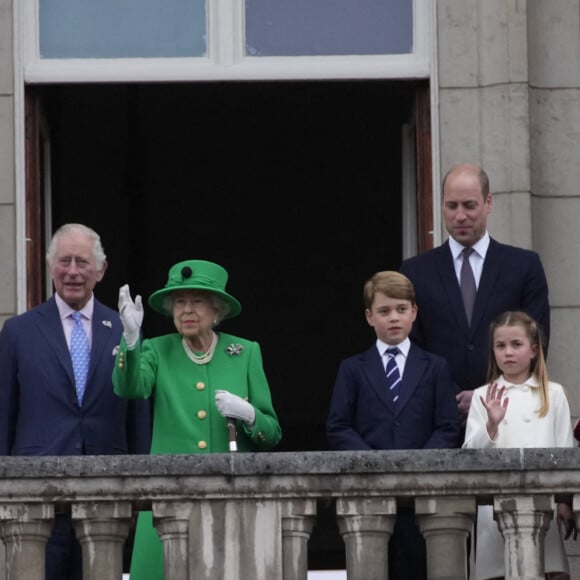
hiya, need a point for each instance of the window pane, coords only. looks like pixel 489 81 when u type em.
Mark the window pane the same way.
pixel 328 27
pixel 122 28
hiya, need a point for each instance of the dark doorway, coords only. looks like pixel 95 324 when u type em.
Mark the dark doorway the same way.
pixel 294 187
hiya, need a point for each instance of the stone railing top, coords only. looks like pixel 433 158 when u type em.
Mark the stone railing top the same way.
pixel 289 475
pixel 313 463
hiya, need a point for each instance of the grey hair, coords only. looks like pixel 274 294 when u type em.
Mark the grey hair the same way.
pixel 221 307
pixel 98 251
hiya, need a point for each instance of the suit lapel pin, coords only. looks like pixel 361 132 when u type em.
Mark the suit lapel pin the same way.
pixel 107 323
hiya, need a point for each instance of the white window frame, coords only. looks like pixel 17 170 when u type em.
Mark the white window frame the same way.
pixel 226 59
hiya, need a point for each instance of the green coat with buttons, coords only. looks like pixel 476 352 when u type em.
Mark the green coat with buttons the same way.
pixel 185 416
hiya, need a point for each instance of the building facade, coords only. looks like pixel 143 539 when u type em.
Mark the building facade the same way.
pixel 503 81
pixel 494 82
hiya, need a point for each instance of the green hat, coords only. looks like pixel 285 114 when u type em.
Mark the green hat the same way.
pixel 196 275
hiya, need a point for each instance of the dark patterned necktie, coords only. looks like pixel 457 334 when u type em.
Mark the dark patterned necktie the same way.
pixel 467 283
pixel 392 370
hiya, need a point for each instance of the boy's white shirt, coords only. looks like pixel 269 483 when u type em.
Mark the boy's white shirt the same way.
pixel 404 346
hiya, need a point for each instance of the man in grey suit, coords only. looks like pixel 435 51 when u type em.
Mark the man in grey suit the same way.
pixel 506 278
pixel 42 411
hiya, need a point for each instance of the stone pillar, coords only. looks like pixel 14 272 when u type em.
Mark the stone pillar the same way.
pixel 102 528
pixel 171 519
pixel 366 526
pixel 573 547
pixel 297 522
pixel 554 93
pixel 482 74
pixel 2 559
pixel 523 521
pixel 12 290
pixel 25 529
pixel 446 523
pixel 236 538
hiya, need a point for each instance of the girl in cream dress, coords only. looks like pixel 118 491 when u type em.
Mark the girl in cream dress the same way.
pixel 519 407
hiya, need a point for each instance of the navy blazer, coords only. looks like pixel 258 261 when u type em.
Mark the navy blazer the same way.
pixel 39 412
pixel 512 279
pixel 362 414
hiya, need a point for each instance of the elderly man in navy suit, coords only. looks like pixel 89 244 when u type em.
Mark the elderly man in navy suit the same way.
pixel 454 324
pixel 46 406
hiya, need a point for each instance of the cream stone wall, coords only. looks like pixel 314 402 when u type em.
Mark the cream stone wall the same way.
pixel 7 166
pixel 508 98
pixel 483 116
pixel 508 95
pixel 7 174
pixel 554 80
pixel 509 92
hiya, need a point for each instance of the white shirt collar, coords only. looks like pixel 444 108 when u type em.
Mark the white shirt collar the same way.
pixel 65 310
pixel 531 382
pixel 480 248
pixel 403 346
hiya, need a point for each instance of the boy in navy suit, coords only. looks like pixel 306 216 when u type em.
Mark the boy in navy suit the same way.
pixel 394 400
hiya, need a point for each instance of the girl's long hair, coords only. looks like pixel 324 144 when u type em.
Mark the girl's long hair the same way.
pixel 537 365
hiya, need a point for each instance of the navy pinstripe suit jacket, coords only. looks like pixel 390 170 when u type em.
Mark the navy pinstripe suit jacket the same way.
pixel 39 412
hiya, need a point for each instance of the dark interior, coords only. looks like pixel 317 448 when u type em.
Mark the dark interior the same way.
pixel 294 187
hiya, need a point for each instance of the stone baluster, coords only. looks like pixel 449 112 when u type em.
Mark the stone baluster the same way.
pixel 2 557
pixel 171 519
pixel 366 526
pixel 25 529
pixel 236 538
pixel 576 508
pixel 523 521
pixel 297 522
pixel 446 523
pixel 102 528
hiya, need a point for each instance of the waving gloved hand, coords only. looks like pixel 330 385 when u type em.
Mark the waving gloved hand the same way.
pixel 230 405
pixel 131 314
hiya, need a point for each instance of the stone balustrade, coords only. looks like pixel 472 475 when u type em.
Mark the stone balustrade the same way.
pixel 245 516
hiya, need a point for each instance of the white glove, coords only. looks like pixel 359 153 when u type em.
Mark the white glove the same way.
pixel 230 405
pixel 131 314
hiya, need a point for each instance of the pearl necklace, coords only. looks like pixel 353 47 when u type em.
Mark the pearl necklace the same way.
pixel 206 356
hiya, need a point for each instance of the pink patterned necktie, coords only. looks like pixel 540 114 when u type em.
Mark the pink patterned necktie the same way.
pixel 80 355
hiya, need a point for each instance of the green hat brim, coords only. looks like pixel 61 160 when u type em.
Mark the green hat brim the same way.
pixel 157 300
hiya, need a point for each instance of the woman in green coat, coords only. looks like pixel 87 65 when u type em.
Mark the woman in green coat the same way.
pixel 199 380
